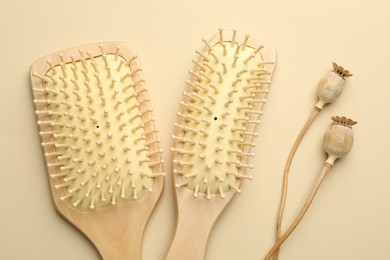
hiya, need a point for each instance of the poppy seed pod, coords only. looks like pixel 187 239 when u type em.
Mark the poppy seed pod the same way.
pixel 331 85
pixel 338 139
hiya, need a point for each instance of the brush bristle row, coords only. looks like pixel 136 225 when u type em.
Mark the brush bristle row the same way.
pixel 97 129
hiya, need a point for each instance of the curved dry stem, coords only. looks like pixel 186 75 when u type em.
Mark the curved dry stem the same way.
pixel 298 219
pixel 311 118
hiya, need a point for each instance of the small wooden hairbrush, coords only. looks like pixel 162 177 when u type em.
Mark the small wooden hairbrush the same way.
pixel 214 131
pixel 101 147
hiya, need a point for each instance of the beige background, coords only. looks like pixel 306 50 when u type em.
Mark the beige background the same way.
pixel 350 218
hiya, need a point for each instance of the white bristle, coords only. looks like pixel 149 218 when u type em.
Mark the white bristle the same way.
pixel 207 66
pixel 93 63
pixel 85 74
pixel 89 54
pixel 63 69
pixel 81 51
pixel 75 74
pixel 53 69
pixel 40 77
pixel 207 44
pixel 203 74
pixel 214 88
pixel 249 58
pixel 204 57
pixel 214 56
pixel 233 41
pixel 200 86
pixel 135 72
pixel 196 76
pixel 73 60
pixel 245 42
pixel 227 103
pixel 234 83
pixel 237 50
pixel 128 63
pixel 120 65
pixel 224 67
pixel 235 61
pixel 220 76
pixel 139 82
pixel 53 80
pixel 220 36
pixel 197 63
pixel 178 185
pixel 104 56
pixel 117 49
pixel 208 190
pixel 101 49
pixel 61 56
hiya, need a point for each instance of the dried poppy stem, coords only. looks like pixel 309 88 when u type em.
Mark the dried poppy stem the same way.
pixel 311 118
pixel 329 89
pixel 298 219
pixel 337 143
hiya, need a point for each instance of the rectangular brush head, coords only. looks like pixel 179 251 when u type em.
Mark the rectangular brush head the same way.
pixel 221 107
pixel 96 126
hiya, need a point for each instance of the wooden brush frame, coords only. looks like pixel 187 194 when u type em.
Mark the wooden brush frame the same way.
pixel 196 216
pixel 116 230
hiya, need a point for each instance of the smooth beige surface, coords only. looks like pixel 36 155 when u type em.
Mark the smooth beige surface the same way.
pixel 350 217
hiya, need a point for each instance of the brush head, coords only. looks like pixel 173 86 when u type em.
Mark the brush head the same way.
pixel 219 113
pixel 96 126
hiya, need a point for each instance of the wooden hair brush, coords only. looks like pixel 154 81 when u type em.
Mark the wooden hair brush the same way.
pixel 101 147
pixel 214 133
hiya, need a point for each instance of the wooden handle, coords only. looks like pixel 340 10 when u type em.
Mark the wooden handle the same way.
pixel 117 232
pixel 190 239
pixel 196 217
pixel 112 244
